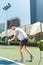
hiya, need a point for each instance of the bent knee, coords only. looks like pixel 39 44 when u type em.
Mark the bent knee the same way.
pixel 25 47
pixel 20 47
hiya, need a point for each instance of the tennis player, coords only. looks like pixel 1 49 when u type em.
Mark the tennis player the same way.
pixel 22 36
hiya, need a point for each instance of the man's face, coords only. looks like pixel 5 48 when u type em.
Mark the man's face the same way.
pixel 13 27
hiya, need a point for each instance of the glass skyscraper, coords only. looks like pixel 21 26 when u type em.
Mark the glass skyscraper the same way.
pixel 36 8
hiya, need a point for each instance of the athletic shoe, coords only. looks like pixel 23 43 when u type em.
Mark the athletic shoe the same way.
pixel 21 61
pixel 31 58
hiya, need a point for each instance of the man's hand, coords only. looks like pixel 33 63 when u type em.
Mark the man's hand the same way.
pixel 9 40
pixel 12 38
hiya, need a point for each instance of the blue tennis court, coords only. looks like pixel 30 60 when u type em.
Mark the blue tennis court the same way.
pixel 4 61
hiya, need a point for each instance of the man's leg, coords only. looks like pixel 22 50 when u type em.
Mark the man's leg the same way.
pixel 27 49
pixel 21 51
pixel 31 55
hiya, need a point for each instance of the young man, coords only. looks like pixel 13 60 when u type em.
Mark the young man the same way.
pixel 22 36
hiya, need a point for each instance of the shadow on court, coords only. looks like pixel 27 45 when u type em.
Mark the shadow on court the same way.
pixel 4 61
pixel 25 61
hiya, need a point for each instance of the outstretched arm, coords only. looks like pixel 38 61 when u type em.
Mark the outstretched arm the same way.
pixel 12 38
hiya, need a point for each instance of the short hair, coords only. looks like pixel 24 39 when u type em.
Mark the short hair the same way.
pixel 13 25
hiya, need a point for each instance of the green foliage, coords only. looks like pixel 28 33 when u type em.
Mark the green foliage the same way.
pixel 2 42
pixel 29 43
pixel 32 43
pixel 14 42
pixel 40 44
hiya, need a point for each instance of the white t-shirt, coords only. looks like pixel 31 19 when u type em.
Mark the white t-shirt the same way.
pixel 21 35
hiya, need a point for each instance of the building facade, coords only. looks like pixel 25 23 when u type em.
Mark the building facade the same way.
pixel 15 21
pixel 2 27
pixel 36 8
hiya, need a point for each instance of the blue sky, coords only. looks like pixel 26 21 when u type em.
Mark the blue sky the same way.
pixel 20 9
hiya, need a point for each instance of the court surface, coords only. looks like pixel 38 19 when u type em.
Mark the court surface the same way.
pixel 9 55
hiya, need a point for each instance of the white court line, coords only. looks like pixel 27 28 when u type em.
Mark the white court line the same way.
pixel 11 61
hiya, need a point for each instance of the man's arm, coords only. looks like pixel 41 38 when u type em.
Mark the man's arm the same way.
pixel 12 38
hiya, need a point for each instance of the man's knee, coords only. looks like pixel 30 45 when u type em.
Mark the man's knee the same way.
pixel 25 47
pixel 20 48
